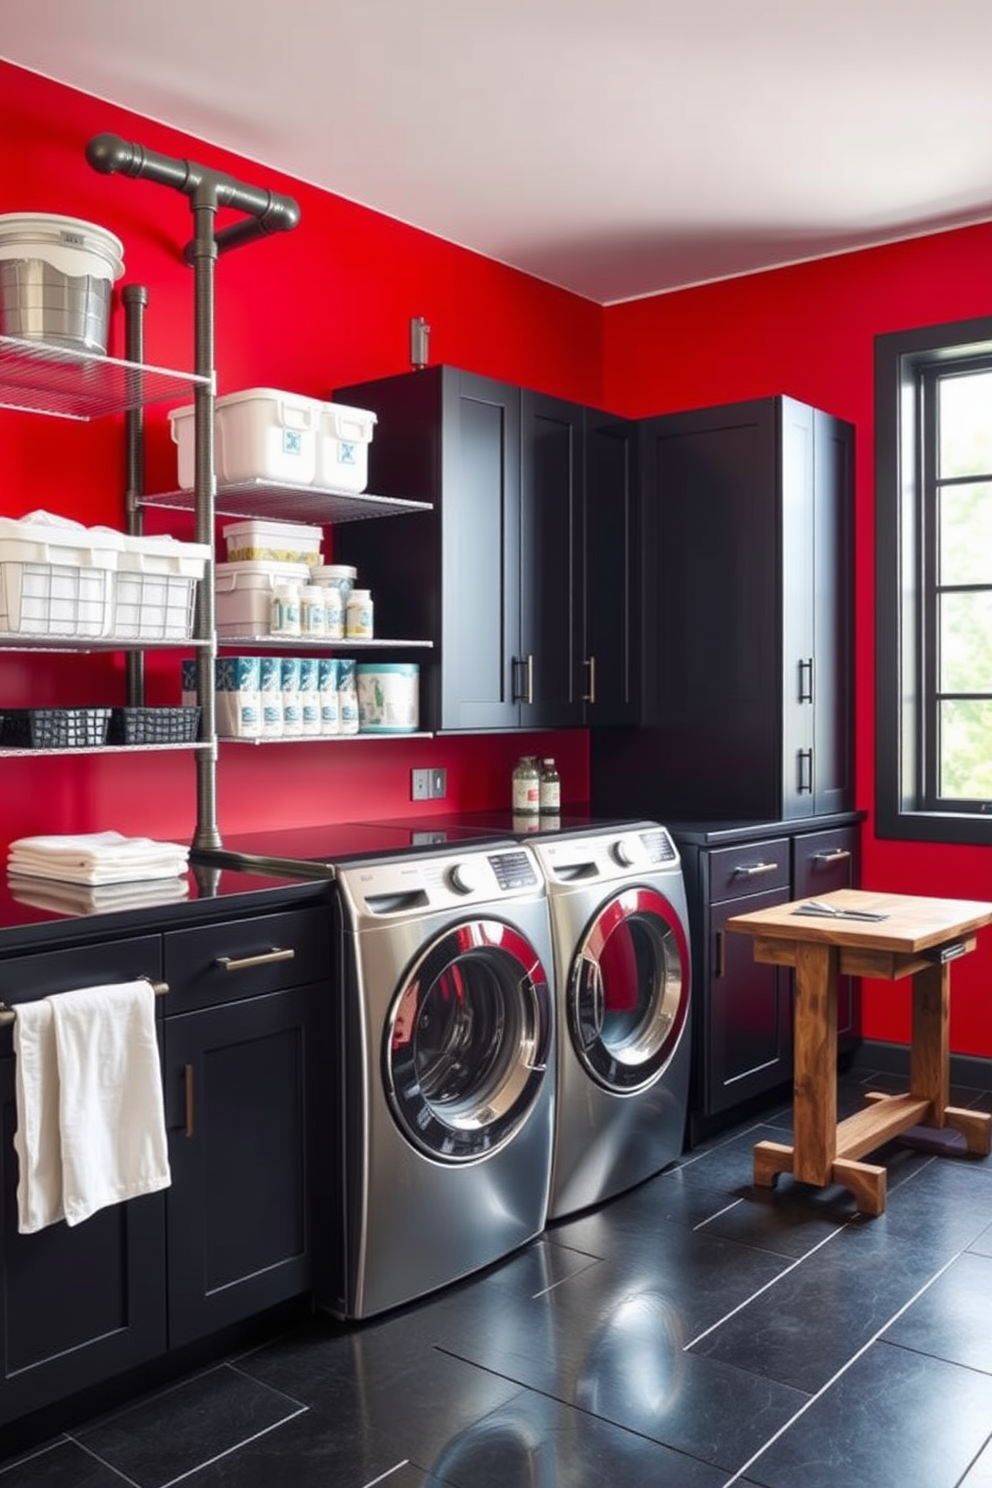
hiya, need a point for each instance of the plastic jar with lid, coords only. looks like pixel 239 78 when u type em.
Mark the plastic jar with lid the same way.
pixel 285 610
pixel 313 611
pixel 358 616
pixel 526 787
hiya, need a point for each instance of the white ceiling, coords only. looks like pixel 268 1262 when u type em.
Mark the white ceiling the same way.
pixel 616 149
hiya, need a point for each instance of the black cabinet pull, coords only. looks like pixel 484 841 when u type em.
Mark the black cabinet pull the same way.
pixel 805 785
pixel 189 1123
pixel 806 680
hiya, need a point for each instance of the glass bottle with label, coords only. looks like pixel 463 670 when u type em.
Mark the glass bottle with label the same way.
pixel 526 787
pixel 549 795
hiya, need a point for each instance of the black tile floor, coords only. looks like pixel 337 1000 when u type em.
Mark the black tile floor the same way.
pixel 694 1333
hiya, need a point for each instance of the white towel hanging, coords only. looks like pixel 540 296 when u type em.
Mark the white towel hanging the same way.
pixel 36 1096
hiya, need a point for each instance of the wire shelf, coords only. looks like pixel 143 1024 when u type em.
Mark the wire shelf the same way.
pixel 260 498
pixel 360 737
pixel 12 640
pixel 101 749
pixel 316 643
pixel 36 377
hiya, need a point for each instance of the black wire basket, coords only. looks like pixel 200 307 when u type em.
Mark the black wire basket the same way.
pixel 154 725
pixel 54 728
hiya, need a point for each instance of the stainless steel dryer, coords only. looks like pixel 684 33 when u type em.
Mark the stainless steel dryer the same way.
pixel 621 951
pixel 446 1068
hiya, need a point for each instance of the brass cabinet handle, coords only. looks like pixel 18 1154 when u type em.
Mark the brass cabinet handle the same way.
pixel 834 855
pixel 590 696
pixel 528 696
pixel 264 958
pixel 189 1125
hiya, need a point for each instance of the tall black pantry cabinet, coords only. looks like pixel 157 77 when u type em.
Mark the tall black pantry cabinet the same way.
pixel 746 586
pixel 521 575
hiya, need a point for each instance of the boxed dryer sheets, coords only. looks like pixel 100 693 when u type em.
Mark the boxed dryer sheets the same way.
pixel 56 576
pixel 260 434
pixel 155 587
pixel 343 441
pixel 273 542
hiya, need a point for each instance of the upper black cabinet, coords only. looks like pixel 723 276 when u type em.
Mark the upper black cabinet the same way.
pixel 496 575
pixel 747 634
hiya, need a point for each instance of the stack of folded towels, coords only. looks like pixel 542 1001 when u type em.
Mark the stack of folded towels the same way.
pixel 97 870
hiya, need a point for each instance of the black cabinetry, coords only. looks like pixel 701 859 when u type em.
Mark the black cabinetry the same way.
pixel 742 1009
pixel 746 607
pixel 230 1237
pixel 81 1304
pixel 527 541
pixel 239 1082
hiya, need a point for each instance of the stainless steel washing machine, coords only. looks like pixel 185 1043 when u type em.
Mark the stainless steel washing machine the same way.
pixel 446 1071
pixel 621 954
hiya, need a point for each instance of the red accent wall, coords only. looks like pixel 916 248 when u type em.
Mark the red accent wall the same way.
pixel 331 303
pixel 809 331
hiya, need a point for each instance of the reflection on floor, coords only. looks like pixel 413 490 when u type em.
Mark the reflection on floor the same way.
pixel 695 1333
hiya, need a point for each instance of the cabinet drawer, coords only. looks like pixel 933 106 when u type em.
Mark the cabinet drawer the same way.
pixel 749 868
pixel 245 958
pixel 44 973
pixel 823 861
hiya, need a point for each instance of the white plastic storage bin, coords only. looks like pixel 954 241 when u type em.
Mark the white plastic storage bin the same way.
pixel 388 697
pixel 243 594
pixel 155 588
pixel 56 577
pixel 343 447
pixel 259 434
pixel 273 542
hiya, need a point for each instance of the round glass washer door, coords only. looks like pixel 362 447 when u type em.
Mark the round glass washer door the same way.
pixel 467 1041
pixel 628 992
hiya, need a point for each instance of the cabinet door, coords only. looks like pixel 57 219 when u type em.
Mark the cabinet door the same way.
pixel 799 664
pixel 237 1092
pixel 610 581
pixel 551 480
pixel 833 619
pixel 480 578
pixel 821 863
pixel 81 1304
pixel 748 1015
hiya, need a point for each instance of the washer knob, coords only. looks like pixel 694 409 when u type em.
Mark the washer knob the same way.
pixel 465 877
pixel 630 852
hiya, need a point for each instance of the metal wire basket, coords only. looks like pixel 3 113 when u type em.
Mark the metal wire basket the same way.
pixel 154 725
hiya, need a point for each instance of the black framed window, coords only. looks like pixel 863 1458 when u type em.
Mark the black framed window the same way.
pixel 933 535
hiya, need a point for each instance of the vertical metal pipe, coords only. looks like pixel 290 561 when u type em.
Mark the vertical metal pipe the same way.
pixel 135 298
pixel 202 252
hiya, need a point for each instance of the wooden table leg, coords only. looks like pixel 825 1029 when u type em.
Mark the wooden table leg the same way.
pixel 814 1105
pixel 929 1057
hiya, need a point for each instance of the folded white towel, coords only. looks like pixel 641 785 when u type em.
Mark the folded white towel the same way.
pixel 36 1098
pixel 96 850
pixel 167 866
pixel 111 1112
pixel 80 899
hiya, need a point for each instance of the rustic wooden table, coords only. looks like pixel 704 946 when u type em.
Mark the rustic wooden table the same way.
pixel 900 936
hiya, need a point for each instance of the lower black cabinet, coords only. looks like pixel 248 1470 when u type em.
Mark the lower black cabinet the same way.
pixel 230 1237
pixel 742 1008
pixel 236 1109
pixel 78 1304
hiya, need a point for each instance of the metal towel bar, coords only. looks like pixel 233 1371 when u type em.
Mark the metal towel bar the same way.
pixel 9 1014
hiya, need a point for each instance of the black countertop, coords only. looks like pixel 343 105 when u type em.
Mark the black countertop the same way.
pixel 29 920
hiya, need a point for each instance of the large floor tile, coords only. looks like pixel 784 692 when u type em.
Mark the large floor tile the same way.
pixel 953 1318
pixel 60 1464
pixel 894 1419
pixel 617 1351
pixel 807 1325
pixel 540 1441
pixel 167 1436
